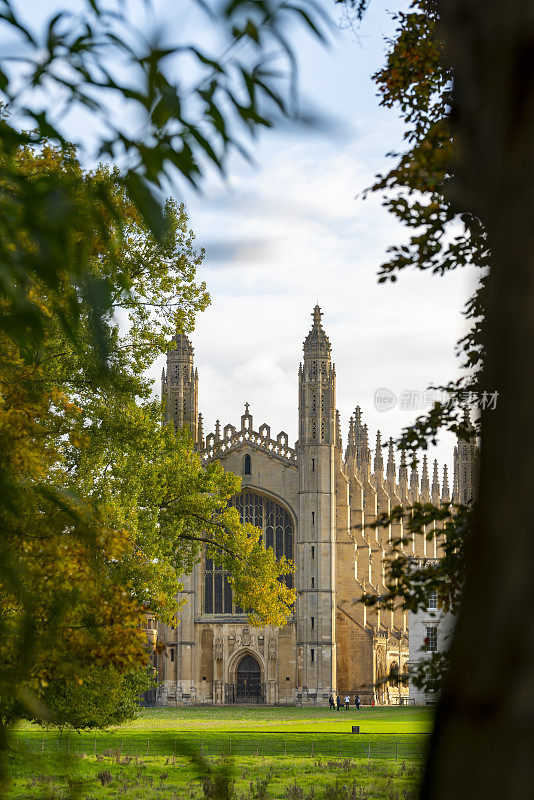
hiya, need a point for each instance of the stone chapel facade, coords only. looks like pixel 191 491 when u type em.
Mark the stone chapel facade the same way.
pixel 314 504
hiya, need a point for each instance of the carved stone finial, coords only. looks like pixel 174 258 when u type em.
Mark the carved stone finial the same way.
pixel 425 483
pixel 379 463
pixel 247 406
pixel 316 343
pixel 390 471
pixel 445 492
pixel 435 484
pixel 317 314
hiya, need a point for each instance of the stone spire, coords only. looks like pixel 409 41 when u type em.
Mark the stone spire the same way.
pixel 445 493
pixel 414 483
pixel 379 461
pixel 403 475
pixel 365 453
pixel 390 470
pixel 317 343
pixel 361 442
pixel 200 431
pixel 350 452
pixel 425 484
pixel 435 484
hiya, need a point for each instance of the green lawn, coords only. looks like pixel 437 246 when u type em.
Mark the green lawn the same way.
pixel 293 753
pixel 229 719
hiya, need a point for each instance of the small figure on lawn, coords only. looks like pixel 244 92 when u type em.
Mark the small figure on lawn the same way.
pixel 338 699
pixel 347 702
pixel 358 702
pixel 331 703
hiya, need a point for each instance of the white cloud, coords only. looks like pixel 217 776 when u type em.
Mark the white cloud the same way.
pixel 291 233
pixel 311 240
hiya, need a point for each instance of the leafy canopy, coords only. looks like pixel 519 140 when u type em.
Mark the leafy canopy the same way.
pixel 163 112
pixel 104 507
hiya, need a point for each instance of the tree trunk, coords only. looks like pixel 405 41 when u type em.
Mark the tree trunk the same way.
pixel 483 741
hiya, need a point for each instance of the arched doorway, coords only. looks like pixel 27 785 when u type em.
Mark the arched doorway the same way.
pixel 248 680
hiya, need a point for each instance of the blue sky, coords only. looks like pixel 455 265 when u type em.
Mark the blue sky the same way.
pixel 292 231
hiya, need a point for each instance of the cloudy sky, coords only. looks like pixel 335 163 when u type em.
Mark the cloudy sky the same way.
pixel 293 231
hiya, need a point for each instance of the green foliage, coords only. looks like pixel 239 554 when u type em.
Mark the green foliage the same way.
pixel 411 581
pixel 97 699
pixel 86 547
pixel 104 508
pixel 95 61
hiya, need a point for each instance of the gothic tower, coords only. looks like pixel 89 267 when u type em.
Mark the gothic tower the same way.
pixel 179 388
pixel 466 457
pixel 316 535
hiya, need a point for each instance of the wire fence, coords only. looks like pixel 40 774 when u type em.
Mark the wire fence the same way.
pixel 408 747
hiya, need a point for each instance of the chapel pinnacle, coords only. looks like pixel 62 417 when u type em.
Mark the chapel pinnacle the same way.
pixel 317 344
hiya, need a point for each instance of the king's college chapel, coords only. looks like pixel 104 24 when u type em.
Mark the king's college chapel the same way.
pixel 315 505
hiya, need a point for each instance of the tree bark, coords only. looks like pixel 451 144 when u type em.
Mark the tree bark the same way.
pixel 483 740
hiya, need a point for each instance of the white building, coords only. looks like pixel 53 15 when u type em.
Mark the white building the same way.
pixel 429 632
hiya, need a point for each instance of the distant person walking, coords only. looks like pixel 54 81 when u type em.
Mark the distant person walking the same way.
pixel 347 702
pixel 338 702
pixel 358 702
pixel 331 703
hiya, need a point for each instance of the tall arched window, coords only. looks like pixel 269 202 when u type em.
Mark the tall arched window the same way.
pixel 247 465
pixel 278 533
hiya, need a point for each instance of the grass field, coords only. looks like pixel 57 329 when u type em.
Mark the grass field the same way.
pixel 294 753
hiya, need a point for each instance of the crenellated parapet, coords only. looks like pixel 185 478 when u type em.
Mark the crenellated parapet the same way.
pixel 220 442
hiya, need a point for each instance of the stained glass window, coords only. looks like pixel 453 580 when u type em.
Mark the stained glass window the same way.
pixel 278 532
